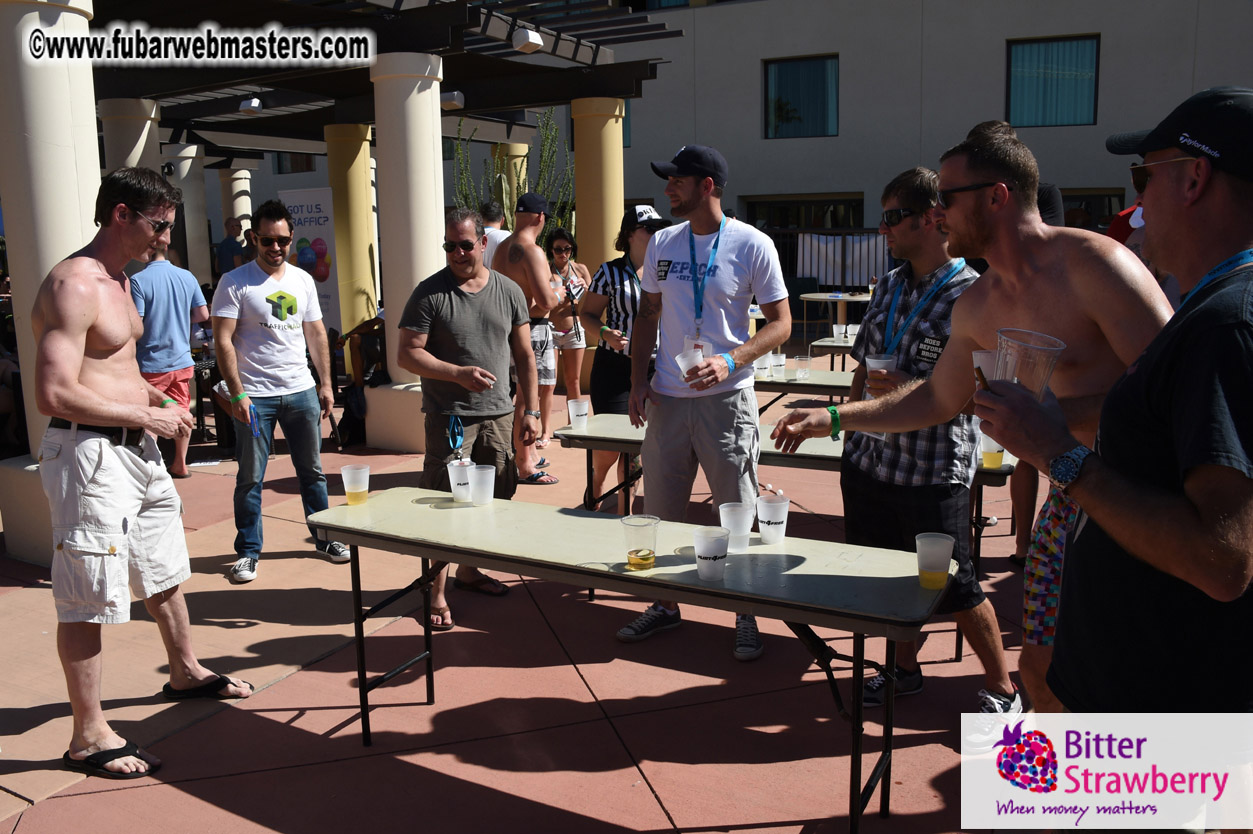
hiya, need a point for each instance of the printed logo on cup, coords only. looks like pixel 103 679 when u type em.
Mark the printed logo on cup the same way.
pixel 770 523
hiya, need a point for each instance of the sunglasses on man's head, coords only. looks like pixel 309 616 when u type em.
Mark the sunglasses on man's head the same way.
pixel 945 202
pixel 451 246
pixel 158 226
pixel 1140 174
pixel 893 217
pixel 266 242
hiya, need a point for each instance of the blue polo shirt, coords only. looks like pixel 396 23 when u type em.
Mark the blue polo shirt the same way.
pixel 165 295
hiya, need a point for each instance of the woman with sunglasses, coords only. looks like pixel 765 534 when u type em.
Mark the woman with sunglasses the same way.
pixel 615 294
pixel 569 280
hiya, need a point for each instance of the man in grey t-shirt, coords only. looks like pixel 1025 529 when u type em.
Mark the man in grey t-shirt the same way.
pixel 458 332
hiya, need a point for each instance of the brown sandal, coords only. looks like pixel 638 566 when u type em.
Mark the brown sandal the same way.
pixel 444 613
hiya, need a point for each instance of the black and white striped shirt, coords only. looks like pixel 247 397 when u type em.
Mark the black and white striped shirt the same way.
pixel 618 282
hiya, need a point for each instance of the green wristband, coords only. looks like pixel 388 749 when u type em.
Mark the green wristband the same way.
pixel 835 422
pixel 167 401
pixel 239 396
pixel 604 327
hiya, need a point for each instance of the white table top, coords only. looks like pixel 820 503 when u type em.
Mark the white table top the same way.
pixel 836 296
pixel 869 590
pixel 820 382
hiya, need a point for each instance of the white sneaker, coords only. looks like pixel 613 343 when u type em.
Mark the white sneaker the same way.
pixel 337 551
pixel 244 570
pixel 990 727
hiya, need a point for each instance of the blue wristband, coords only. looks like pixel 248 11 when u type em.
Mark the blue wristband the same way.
pixel 730 362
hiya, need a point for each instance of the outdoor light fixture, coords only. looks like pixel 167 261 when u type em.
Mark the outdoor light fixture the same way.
pixel 251 106
pixel 454 100
pixel 527 40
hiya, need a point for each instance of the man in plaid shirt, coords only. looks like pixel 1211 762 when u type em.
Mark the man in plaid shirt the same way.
pixel 901 484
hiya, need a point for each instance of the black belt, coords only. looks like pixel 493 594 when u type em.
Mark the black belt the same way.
pixel 119 435
pixel 540 320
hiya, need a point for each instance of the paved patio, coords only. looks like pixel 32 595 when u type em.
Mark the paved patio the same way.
pixel 542 720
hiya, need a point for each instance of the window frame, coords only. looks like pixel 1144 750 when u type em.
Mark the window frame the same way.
pixel 1010 43
pixel 766 63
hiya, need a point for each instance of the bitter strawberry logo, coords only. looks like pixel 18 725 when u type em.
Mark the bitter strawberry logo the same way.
pixel 1028 760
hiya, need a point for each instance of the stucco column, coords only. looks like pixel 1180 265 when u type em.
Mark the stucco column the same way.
pixel 188 162
pixel 236 190
pixel 348 163
pixel 411 220
pixel 130 133
pixel 49 176
pixel 510 157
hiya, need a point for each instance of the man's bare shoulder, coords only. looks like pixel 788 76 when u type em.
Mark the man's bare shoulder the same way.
pixel 73 281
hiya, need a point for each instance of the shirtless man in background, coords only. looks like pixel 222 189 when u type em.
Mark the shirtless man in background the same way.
pixel 116 517
pixel 1074 285
pixel 520 258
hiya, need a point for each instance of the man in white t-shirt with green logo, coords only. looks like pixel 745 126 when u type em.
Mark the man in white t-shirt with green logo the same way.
pixel 265 315
pixel 698 280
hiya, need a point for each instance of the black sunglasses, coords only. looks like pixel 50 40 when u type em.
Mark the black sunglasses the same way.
pixel 266 242
pixel 562 250
pixel 1140 174
pixel 944 195
pixel 451 246
pixel 158 226
pixel 893 217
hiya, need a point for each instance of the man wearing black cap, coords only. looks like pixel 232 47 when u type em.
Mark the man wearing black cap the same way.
pixel 1159 566
pixel 698 280
pixel 520 257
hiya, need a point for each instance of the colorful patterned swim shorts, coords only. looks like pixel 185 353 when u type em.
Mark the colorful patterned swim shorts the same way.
pixel 1042 577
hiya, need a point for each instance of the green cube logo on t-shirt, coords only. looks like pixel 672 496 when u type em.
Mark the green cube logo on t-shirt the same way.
pixel 282 305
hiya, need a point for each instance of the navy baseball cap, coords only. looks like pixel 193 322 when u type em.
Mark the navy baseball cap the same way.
pixel 532 203
pixel 694 161
pixel 1216 123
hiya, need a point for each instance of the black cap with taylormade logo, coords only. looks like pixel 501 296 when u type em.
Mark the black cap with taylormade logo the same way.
pixel 1216 123
pixel 532 203
pixel 694 161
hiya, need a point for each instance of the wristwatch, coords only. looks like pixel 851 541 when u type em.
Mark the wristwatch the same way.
pixel 1064 469
pixel 535 414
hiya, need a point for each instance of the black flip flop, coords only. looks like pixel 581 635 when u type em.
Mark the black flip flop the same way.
pixel 94 765
pixel 482 585
pixel 215 689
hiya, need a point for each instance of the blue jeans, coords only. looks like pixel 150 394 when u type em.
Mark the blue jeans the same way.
pixel 300 415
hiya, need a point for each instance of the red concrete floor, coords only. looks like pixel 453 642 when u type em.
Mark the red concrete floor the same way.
pixel 542 720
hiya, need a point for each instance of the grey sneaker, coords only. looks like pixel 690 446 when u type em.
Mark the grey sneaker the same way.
pixel 748 645
pixel 875 690
pixel 338 551
pixel 989 728
pixel 244 570
pixel 654 619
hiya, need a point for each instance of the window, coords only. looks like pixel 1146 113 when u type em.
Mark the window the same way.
pixel 294 163
pixel 654 5
pixel 626 124
pixel 1052 82
pixel 837 211
pixel 802 97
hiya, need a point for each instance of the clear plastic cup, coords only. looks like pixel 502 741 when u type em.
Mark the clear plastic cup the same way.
pixel 878 362
pixel 761 367
pixel 778 366
pixel 482 484
pixel 802 367
pixel 688 359
pixel 711 552
pixel 578 413
pixel 356 479
pixel 459 479
pixel 934 552
pixel 851 330
pixel 639 533
pixel 738 518
pixel 772 517
pixel 985 360
pixel 993 452
pixel 839 332
pixel 1027 357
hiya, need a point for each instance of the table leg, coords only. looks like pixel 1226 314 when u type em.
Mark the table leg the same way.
pixel 358 625
pixel 841 312
pixel 858 730
pixel 889 723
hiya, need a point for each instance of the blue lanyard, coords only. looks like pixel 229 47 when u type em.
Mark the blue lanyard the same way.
pixel 891 342
pixel 698 281
pixel 456 434
pixel 1234 262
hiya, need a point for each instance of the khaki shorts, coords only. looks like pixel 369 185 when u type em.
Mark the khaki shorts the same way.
pixel 116 525
pixel 719 432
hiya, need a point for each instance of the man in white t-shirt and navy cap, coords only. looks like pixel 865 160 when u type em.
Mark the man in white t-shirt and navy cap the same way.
pixel 698 280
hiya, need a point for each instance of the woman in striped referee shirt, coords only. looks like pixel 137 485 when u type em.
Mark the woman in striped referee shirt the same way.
pixel 615 295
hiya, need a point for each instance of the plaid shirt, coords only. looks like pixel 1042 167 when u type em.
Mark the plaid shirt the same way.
pixel 943 454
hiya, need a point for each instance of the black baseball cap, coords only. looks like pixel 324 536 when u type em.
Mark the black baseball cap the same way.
pixel 1216 123
pixel 532 203
pixel 694 161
